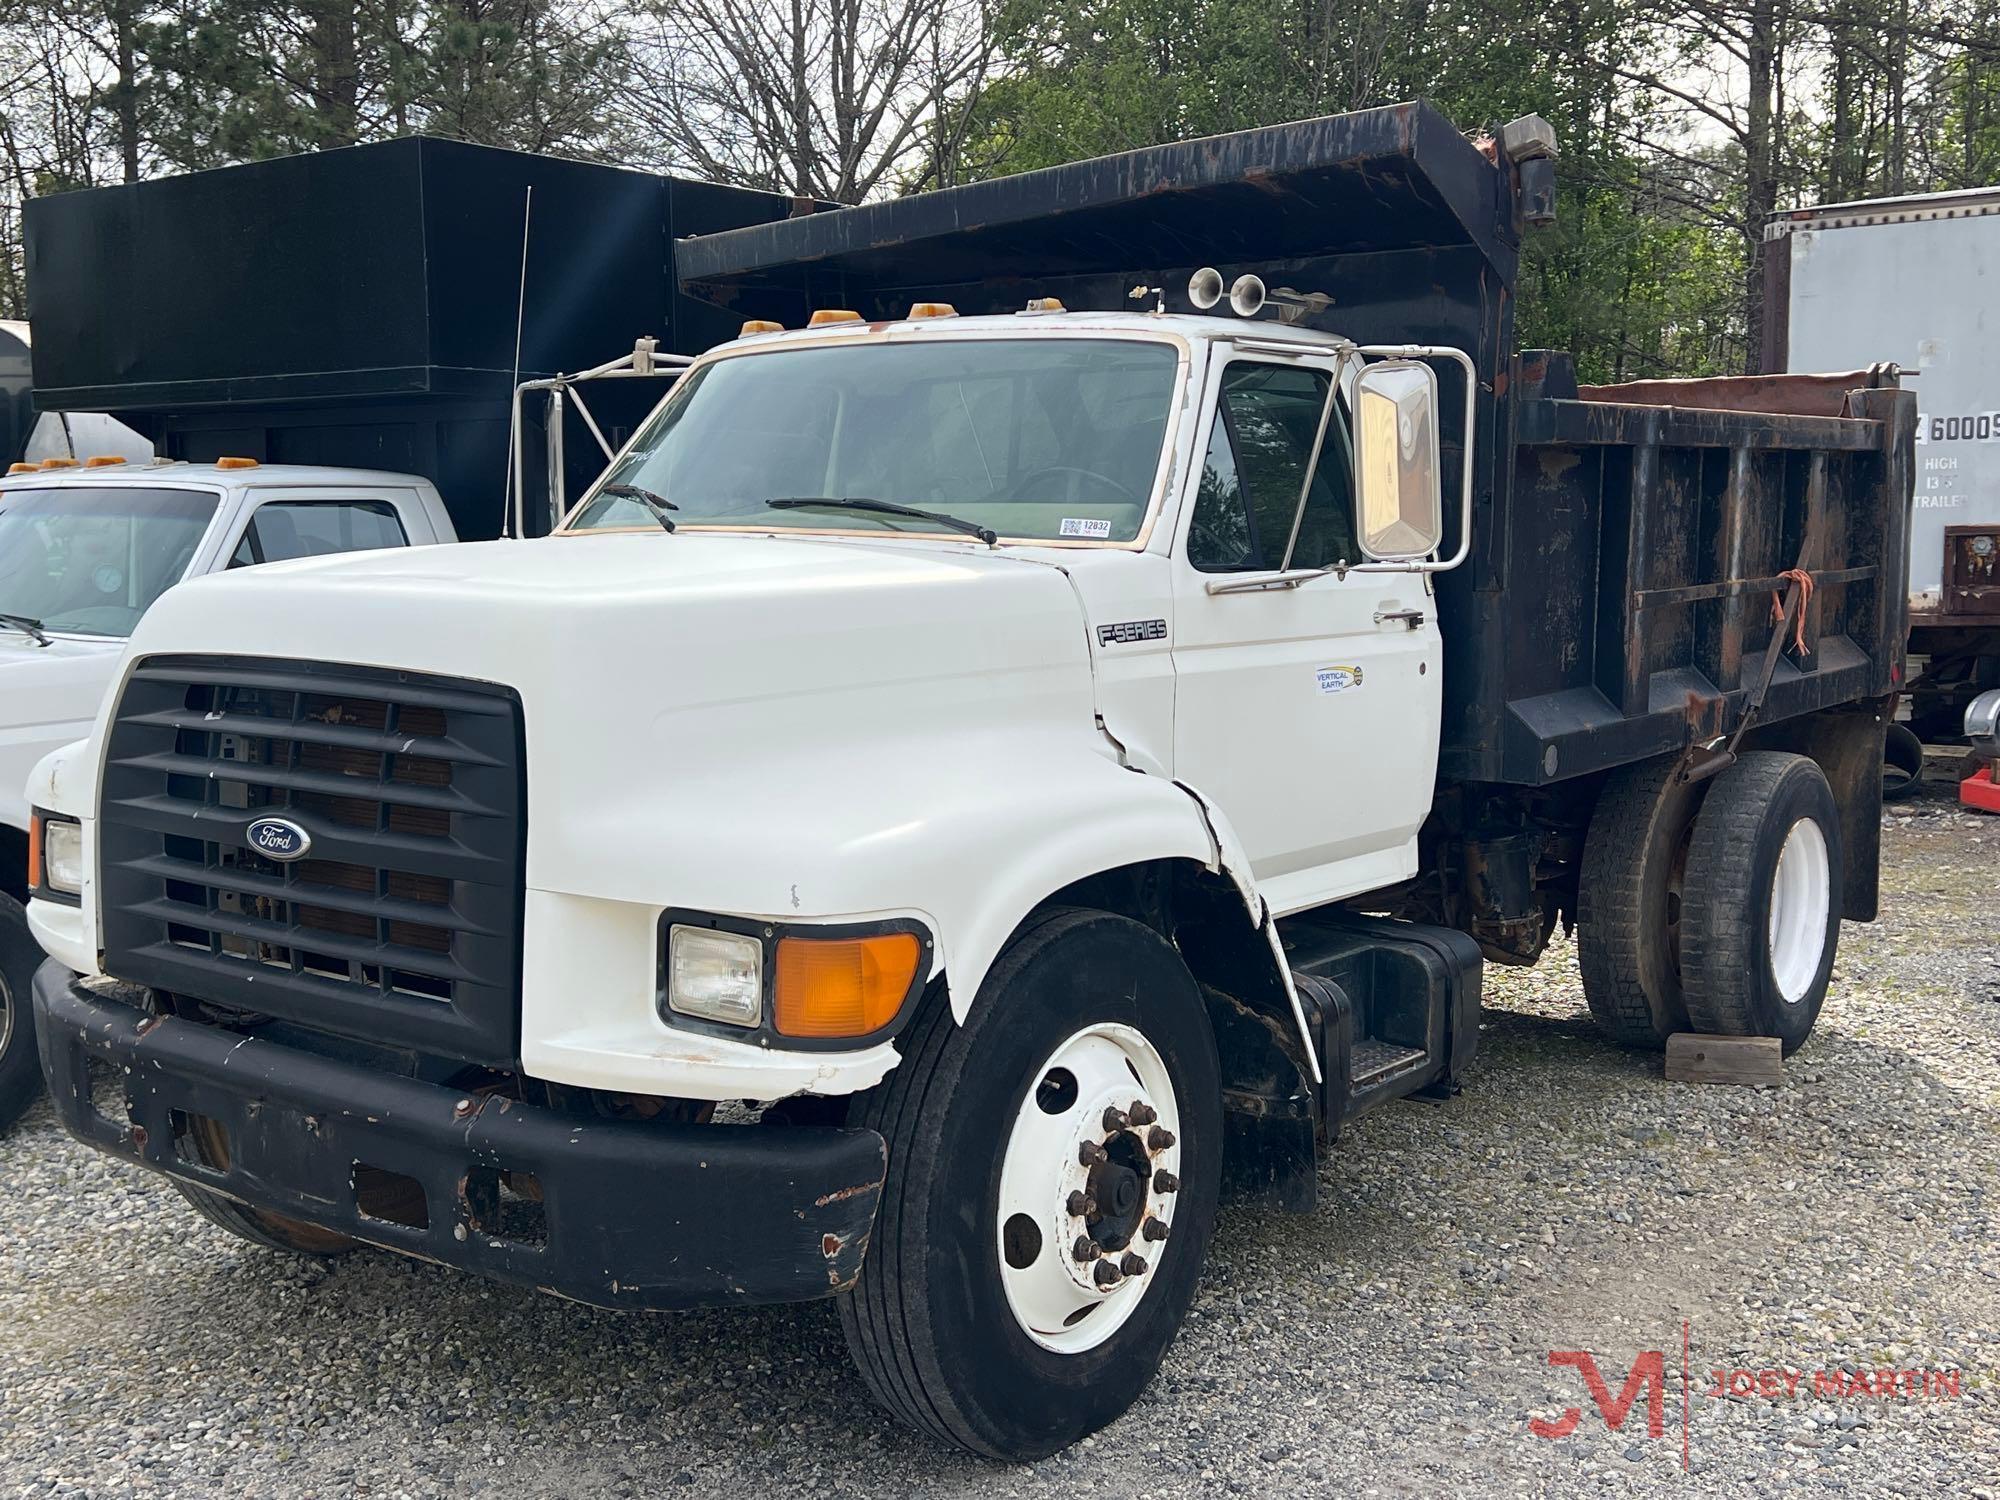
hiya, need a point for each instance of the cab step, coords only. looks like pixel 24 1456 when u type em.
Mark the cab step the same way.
pixel 1393 1007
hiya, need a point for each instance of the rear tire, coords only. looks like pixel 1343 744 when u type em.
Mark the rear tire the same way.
pixel 1763 907
pixel 1629 903
pixel 20 1065
pixel 975 1329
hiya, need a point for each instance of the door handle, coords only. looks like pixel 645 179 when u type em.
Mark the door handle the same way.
pixel 1414 618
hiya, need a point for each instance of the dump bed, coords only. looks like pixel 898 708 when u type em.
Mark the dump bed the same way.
pixel 1626 589
pixel 1618 595
pixel 365 307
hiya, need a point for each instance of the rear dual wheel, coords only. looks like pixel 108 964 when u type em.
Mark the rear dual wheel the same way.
pixel 1764 878
pixel 1054 1167
pixel 1711 906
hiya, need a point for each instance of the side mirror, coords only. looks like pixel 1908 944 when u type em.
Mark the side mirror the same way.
pixel 1396 460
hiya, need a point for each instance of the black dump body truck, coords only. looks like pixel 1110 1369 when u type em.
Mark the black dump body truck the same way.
pixel 1628 555
pixel 360 307
pixel 1652 669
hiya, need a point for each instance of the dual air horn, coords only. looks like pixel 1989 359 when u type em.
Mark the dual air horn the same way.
pixel 1248 296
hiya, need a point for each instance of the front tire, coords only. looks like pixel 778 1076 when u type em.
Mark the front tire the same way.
pixel 20 1065
pixel 981 1316
pixel 257 1226
pixel 1763 900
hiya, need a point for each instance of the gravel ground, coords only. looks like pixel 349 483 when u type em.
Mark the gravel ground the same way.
pixel 1396 1342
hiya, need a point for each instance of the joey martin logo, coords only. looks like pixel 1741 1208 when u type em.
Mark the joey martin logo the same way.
pixel 277 838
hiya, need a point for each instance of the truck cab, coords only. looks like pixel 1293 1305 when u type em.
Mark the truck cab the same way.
pixel 85 551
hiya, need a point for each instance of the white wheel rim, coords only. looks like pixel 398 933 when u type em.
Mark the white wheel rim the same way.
pixel 1801 897
pixel 1057 1298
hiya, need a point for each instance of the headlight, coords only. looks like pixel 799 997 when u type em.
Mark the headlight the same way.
pixel 717 976
pixel 55 858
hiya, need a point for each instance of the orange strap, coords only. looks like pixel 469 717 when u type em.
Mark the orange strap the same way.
pixel 1804 581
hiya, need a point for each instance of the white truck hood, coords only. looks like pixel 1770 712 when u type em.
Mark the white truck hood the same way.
pixel 681 620
pixel 733 667
pixel 49 695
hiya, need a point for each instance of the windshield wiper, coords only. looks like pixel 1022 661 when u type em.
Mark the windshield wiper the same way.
pixel 985 534
pixel 659 505
pixel 27 625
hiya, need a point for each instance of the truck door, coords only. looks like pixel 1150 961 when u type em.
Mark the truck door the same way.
pixel 310 522
pixel 1309 712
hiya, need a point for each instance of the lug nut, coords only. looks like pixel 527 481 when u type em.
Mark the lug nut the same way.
pixel 1159 1138
pixel 1080 1204
pixel 1165 1182
pixel 1092 1155
pixel 1106 1274
pixel 1142 1113
pixel 1084 1250
pixel 1133 1264
pixel 1115 1118
pixel 1154 1229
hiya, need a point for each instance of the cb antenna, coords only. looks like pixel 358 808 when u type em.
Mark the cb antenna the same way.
pixel 515 458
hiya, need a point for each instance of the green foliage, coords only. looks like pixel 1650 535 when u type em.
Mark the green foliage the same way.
pixel 1682 123
pixel 1629 280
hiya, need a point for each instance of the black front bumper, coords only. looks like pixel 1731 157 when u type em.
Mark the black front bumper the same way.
pixel 634 1215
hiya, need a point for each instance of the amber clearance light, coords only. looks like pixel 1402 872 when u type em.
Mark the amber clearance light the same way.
pixel 834 987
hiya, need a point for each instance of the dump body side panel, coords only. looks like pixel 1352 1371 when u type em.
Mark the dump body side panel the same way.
pixel 1637 563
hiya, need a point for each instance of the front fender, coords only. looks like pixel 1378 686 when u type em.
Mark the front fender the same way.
pixel 966 830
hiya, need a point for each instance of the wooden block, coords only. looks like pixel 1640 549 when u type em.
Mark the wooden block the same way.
pixel 1758 1061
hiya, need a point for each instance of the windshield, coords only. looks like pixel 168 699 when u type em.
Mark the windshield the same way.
pixel 91 559
pixel 1034 438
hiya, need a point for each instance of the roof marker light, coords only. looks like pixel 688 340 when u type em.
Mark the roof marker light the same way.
pixel 102 460
pixel 932 310
pixel 24 468
pixel 236 463
pixel 58 463
pixel 760 325
pixel 828 315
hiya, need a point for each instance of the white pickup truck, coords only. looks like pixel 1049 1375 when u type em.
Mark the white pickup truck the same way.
pixel 85 551
pixel 1005 751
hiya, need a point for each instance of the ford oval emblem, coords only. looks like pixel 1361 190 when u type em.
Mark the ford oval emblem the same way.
pixel 275 838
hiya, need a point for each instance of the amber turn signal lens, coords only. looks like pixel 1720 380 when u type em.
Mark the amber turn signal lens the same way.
pixel 34 851
pixel 843 986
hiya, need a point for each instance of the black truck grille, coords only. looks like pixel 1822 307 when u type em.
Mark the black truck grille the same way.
pixel 400 924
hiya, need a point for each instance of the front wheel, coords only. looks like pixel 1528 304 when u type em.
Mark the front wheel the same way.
pixel 1763 900
pixel 20 1067
pixel 1054 1167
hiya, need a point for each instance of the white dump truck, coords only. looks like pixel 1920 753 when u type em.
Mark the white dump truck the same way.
pixel 960 791
pixel 85 551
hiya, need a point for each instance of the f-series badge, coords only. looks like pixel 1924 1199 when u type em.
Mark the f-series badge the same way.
pixel 1131 630
pixel 274 838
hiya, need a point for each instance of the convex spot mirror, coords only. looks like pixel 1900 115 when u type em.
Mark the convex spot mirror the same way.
pixel 1396 460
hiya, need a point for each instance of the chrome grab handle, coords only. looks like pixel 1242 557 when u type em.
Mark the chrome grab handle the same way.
pixel 1413 618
